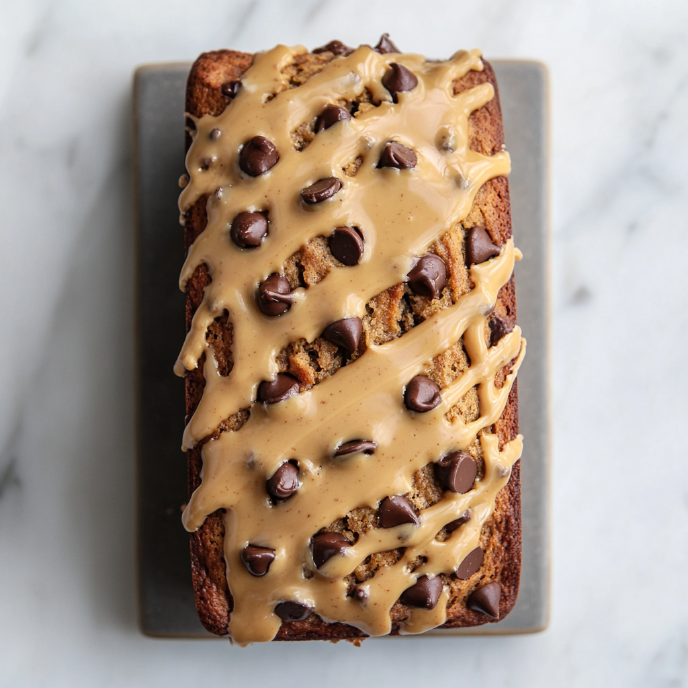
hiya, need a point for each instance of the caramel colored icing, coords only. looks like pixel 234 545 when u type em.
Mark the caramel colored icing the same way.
pixel 401 213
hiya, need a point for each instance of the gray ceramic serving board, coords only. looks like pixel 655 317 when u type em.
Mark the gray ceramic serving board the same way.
pixel 166 595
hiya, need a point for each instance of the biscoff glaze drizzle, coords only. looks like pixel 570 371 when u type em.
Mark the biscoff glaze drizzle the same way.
pixel 400 213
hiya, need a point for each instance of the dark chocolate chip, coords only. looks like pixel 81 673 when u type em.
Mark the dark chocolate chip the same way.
pixel 464 518
pixel 274 295
pixel 346 245
pixel 249 229
pixel 397 79
pixel 385 45
pixel 257 156
pixel 257 560
pixel 284 481
pixel 215 134
pixel 327 545
pixel 422 394
pixel 293 611
pixel 230 88
pixel 479 246
pixel 471 564
pixel 397 156
pixel 397 510
pixel 428 276
pixel 365 446
pixel 425 594
pixel 334 47
pixel 345 333
pixel 329 116
pixel 279 389
pixel 321 190
pixel 206 163
pixel 457 471
pixel 486 599
pixel 499 327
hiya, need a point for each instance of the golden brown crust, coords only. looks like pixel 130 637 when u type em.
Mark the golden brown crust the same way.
pixel 395 312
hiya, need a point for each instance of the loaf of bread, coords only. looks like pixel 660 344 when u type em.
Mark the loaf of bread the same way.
pixel 352 347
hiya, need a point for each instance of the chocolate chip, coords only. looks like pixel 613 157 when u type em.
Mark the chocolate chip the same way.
pixel 479 246
pixel 257 560
pixel 215 134
pixel 345 333
pixel 329 116
pixel 279 389
pixel 457 471
pixel 428 276
pixel 472 563
pixel 274 295
pixel 397 156
pixel 284 481
pixel 249 229
pixel 499 327
pixel 385 46
pixel 327 545
pixel 365 446
pixel 335 47
pixel 293 611
pixel 321 190
pixel 486 599
pixel 397 510
pixel 230 88
pixel 397 79
pixel 258 156
pixel 346 245
pixel 206 163
pixel 422 394
pixel 464 518
pixel 425 594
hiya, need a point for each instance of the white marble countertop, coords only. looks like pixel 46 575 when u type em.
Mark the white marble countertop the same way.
pixel 620 474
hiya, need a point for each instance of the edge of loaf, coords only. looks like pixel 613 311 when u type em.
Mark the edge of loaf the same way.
pixel 207 94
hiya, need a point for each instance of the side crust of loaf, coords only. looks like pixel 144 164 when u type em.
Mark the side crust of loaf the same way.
pixel 502 539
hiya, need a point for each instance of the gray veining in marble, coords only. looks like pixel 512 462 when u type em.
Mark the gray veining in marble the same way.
pixel 620 304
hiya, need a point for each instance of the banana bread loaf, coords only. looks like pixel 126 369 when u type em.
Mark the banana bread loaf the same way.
pixel 352 344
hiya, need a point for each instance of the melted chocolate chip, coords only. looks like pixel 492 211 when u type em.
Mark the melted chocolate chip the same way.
pixel 230 88
pixel 471 564
pixel 486 599
pixel 365 446
pixel 279 389
pixel 397 79
pixel 258 156
pixel 329 116
pixel 346 245
pixel 206 163
pixel 428 276
pixel 397 156
pixel 284 481
pixel 274 295
pixel 479 246
pixel 293 611
pixel 425 594
pixel 464 518
pixel 334 47
pixel 215 134
pixel 422 394
pixel 321 190
pixel 257 560
pixel 385 45
pixel 249 229
pixel 498 328
pixel 457 471
pixel 327 545
pixel 397 510
pixel 345 333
